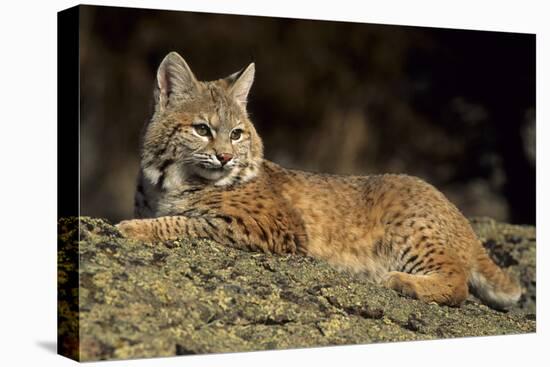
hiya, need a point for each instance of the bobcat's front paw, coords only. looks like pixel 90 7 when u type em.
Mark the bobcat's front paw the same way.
pixel 137 229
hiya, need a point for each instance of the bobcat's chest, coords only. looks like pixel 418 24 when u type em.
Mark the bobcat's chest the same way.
pixel 152 201
pixel 186 201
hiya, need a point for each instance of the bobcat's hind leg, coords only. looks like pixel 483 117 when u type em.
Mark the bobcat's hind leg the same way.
pixel 447 287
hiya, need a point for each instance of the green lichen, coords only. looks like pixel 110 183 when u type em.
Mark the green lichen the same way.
pixel 140 300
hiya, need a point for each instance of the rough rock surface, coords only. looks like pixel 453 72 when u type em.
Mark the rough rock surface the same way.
pixel 195 296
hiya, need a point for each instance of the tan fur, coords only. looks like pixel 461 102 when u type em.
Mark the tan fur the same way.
pixel 398 229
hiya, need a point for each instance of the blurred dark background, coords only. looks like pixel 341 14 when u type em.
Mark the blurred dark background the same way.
pixel 454 107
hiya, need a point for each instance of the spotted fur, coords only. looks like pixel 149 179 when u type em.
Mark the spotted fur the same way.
pixel 397 229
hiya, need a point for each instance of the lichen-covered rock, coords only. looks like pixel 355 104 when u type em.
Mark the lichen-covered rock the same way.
pixel 195 296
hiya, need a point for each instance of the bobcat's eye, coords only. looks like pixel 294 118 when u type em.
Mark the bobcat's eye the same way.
pixel 236 134
pixel 202 129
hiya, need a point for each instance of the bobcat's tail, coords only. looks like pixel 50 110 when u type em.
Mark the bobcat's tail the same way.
pixel 491 284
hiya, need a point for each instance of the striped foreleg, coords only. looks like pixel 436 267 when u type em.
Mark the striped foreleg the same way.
pixel 219 228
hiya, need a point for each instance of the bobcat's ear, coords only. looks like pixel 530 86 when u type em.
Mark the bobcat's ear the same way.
pixel 241 82
pixel 174 80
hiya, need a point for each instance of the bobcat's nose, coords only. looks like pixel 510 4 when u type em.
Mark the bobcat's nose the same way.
pixel 224 158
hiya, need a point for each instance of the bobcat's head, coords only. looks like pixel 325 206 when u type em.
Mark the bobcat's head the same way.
pixel 200 130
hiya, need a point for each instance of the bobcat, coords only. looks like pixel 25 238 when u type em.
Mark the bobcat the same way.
pixel 203 175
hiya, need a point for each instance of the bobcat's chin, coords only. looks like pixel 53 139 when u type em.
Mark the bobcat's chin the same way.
pixel 213 173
